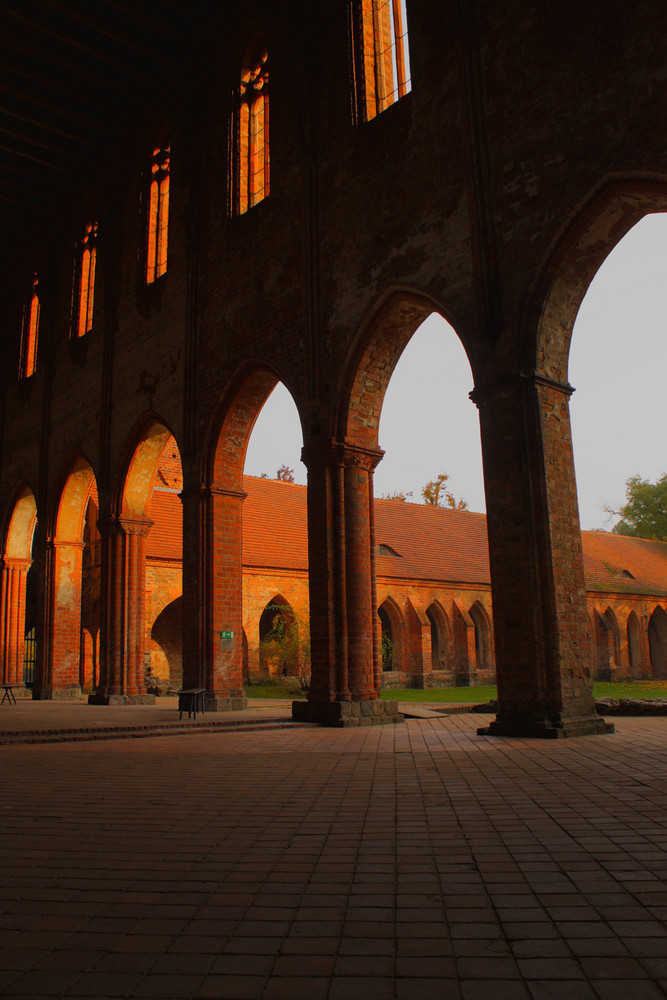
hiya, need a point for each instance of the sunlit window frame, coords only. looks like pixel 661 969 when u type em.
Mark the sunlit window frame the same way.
pixel 30 332
pixel 251 160
pixel 380 56
pixel 83 298
pixel 157 213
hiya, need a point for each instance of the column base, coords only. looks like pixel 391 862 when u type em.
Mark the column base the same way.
pixel 344 714
pixel 57 694
pixel 547 729
pixel 101 698
pixel 216 703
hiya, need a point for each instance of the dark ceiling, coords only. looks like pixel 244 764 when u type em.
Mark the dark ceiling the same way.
pixel 73 73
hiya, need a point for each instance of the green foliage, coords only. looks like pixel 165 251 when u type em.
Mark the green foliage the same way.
pixel 436 494
pixel 397 495
pixel 386 651
pixel 644 514
pixel 289 641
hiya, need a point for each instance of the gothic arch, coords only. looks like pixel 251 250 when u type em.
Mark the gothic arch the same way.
pixel 597 224
pixel 634 634
pixel 483 653
pixel 440 637
pixel 381 340
pixel 16 563
pixel 139 466
pixel 277 626
pixel 392 625
pixel 657 639
pixel 63 653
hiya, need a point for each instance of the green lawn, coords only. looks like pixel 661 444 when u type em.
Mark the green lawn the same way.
pixel 474 695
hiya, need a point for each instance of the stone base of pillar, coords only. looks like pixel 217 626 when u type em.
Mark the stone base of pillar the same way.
pixel 22 693
pixel 214 703
pixel 100 698
pixel 547 729
pixel 57 694
pixel 344 714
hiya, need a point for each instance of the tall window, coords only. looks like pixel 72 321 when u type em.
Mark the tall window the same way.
pixel 84 282
pixel 383 71
pixel 251 167
pixel 158 215
pixel 28 357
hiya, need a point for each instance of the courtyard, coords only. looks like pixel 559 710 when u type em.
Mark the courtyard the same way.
pixel 412 862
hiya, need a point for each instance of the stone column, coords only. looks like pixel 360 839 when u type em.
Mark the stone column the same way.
pixel 123 645
pixel 62 653
pixel 13 578
pixel 345 681
pixel 543 653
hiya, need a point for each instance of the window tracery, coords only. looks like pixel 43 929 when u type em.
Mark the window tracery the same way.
pixel 158 214
pixel 383 69
pixel 84 282
pixel 251 160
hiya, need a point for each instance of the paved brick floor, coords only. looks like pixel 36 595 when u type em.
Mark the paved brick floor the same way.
pixel 410 862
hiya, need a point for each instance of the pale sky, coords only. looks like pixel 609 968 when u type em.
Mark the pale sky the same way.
pixel 617 366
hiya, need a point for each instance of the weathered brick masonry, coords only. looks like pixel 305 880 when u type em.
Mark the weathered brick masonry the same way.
pixel 532 138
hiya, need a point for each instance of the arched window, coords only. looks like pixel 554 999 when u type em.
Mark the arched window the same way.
pixel 382 70
pixel 29 333
pixel 157 216
pixel 84 282
pixel 250 169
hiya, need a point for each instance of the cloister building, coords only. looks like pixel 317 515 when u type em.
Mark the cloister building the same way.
pixel 171 250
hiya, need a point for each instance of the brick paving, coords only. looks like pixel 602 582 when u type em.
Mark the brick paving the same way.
pixel 411 862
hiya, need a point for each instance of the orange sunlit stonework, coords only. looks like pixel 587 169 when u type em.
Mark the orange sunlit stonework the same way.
pixel 158 215
pixel 252 166
pixel 386 64
pixel 85 282
pixel 28 358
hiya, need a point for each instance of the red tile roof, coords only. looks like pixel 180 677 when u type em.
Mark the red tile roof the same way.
pixel 431 543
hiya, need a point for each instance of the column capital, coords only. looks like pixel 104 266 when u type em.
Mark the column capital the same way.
pixel 15 562
pixel 340 453
pixel 120 524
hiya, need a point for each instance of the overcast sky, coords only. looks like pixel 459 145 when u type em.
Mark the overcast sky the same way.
pixel 617 365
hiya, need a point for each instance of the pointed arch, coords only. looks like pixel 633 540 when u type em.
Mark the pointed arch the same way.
pixel 483 650
pixel 441 658
pixel 657 639
pixel 139 466
pixel 14 584
pixel 634 636
pixel 393 641
pixel 278 638
pixel 382 338
pixel 588 236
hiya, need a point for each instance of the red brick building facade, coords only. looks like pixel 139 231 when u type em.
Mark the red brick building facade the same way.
pixel 166 262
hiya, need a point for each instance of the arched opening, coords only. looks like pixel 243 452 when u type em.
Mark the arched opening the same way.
pixel 279 640
pixel 634 644
pixel 224 652
pixel 73 587
pixel 657 641
pixel 166 661
pixel 441 660
pixel 17 594
pixel 483 655
pixel 392 644
pixel 144 564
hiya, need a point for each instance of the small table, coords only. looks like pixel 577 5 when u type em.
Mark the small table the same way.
pixel 8 695
pixel 191 701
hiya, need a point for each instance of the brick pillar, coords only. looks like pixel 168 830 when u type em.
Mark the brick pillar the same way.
pixel 13 580
pixel 543 661
pixel 213 595
pixel 345 681
pixel 123 639
pixel 61 678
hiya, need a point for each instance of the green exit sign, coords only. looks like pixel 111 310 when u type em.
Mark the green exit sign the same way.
pixel 227 634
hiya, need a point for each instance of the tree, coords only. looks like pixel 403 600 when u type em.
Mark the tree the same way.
pixel 436 494
pixel 644 514
pixel 285 474
pixel 397 495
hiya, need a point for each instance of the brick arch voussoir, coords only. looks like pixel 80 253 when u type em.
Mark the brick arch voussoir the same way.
pixel 138 466
pixel 583 243
pixel 382 338
pixel 67 517
pixel 230 429
pixel 18 525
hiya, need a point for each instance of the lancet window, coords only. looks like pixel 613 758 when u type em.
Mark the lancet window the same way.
pixel 157 216
pixel 30 332
pixel 383 62
pixel 250 170
pixel 84 282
